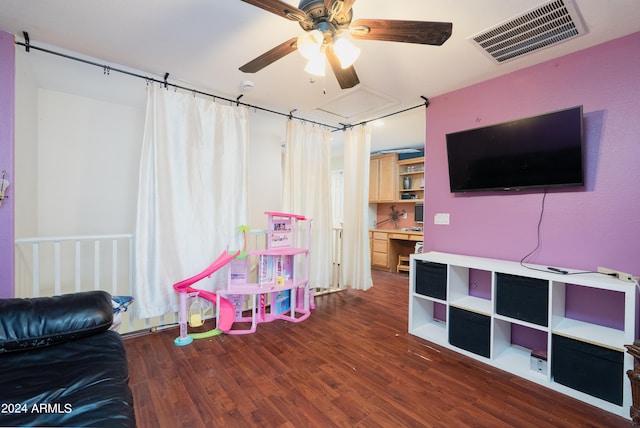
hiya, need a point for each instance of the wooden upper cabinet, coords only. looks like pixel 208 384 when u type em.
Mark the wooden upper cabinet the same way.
pixel 383 176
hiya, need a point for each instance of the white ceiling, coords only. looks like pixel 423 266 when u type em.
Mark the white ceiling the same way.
pixel 203 42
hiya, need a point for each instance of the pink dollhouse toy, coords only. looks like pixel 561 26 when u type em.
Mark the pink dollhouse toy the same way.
pixel 281 290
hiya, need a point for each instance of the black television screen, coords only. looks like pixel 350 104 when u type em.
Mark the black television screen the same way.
pixel 418 213
pixel 539 151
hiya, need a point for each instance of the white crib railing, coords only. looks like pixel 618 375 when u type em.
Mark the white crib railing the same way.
pixel 67 264
pixel 335 278
pixel 50 267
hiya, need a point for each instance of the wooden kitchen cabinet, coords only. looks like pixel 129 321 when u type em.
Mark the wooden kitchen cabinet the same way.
pixel 380 250
pixel 387 245
pixel 383 176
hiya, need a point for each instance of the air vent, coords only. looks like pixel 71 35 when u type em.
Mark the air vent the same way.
pixel 547 25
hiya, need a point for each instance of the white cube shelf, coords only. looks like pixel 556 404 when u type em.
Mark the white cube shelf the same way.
pixel 513 357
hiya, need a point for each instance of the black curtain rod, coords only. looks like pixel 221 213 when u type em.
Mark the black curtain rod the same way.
pixel 107 69
pixel 425 105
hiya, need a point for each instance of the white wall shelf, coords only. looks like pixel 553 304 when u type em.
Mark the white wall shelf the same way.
pixel 552 323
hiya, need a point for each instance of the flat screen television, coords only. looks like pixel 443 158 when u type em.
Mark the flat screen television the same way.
pixel 534 152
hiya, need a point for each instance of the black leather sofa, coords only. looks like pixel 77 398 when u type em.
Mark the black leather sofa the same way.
pixel 60 365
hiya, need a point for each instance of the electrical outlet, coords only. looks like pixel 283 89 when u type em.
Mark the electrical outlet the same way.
pixel 627 277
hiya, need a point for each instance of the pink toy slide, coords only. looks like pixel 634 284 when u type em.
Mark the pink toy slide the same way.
pixel 226 309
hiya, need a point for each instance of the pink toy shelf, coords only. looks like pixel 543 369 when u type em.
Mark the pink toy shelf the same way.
pixel 281 291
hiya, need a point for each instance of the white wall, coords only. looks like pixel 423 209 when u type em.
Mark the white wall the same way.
pixel 78 140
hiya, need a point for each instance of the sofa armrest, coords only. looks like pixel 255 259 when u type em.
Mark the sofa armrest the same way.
pixel 44 321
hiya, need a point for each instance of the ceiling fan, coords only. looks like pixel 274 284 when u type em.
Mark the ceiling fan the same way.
pixel 324 21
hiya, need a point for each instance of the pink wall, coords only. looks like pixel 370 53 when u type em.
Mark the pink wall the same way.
pixel 582 229
pixel 7 97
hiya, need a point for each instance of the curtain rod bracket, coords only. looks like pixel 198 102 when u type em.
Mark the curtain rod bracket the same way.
pixel 26 41
pixel 291 113
pixel 238 99
pixel 166 76
pixel 426 101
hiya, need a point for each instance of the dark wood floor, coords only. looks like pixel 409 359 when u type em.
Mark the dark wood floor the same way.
pixel 351 364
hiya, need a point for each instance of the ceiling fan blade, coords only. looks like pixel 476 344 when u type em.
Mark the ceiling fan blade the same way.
pixel 422 32
pixel 279 8
pixel 270 56
pixel 347 77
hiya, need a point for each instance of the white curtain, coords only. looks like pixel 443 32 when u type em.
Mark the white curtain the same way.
pixel 307 191
pixel 191 196
pixel 356 256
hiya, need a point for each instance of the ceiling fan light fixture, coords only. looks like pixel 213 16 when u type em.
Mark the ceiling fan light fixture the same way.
pixel 325 21
pixel 309 43
pixel 316 65
pixel 346 51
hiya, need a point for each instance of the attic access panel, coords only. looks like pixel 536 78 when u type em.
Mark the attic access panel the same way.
pixel 356 103
pixel 554 22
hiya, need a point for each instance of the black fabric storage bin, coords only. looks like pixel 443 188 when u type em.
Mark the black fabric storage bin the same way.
pixel 523 298
pixel 470 331
pixel 588 368
pixel 431 279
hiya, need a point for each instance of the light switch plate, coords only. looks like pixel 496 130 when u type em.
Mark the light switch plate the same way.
pixel 441 218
